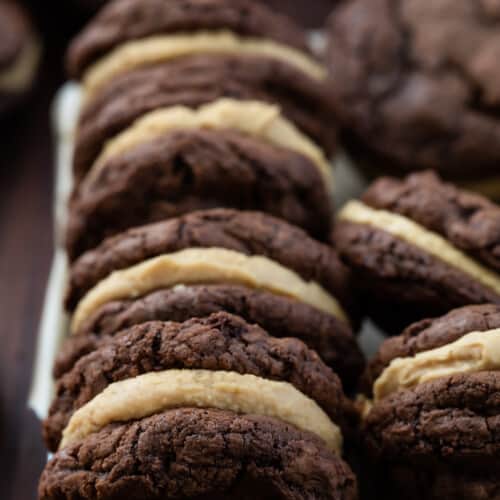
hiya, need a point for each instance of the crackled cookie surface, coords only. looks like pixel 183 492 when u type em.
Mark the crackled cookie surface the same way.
pixel 178 160
pixel 279 316
pixel 190 54
pixel 196 80
pixel 434 406
pixel 250 456
pixel 246 233
pixel 245 263
pixel 193 373
pixel 422 244
pixel 424 95
pixel 220 342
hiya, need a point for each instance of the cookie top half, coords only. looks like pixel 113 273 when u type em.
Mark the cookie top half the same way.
pixel 430 335
pixel 435 392
pixel 424 242
pixel 424 95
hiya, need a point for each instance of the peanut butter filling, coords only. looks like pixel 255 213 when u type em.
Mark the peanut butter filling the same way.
pixel 253 118
pixel 475 352
pixel 427 241
pixel 155 392
pixel 162 48
pixel 205 266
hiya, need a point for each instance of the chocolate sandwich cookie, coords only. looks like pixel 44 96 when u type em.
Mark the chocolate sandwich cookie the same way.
pixel 190 54
pixel 218 342
pixel 19 54
pixel 246 262
pixel 419 247
pixel 195 80
pixel 127 20
pixel 178 172
pixel 431 425
pixel 425 94
pixel 229 404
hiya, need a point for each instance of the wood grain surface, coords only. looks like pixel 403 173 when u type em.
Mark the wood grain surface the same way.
pixel 26 241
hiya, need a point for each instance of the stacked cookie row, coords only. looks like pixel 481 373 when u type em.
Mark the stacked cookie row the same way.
pixel 209 346
pixel 226 98
pixel 429 400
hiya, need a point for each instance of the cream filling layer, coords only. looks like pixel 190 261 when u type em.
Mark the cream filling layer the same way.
pixel 253 118
pixel 428 241
pixel 474 352
pixel 204 265
pixel 19 75
pixel 155 392
pixel 162 48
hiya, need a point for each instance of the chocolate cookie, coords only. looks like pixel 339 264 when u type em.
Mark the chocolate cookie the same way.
pixel 431 334
pixel 196 80
pixel 420 247
pixel 183 171
pixel 280 316
pixel 218 342
pixel 121 21
pixel 433 426
pixel 424 95
pixel 246 263
pixel 203 378
pixel 248 233
pixel 198 453
pixel 139 34
pixel 19 54
pixel 443 434
pixel 193 54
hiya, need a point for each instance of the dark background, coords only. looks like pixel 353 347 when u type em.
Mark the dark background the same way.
pixel 26 237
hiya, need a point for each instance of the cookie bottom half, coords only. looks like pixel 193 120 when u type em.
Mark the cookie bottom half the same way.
pixel 201 454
